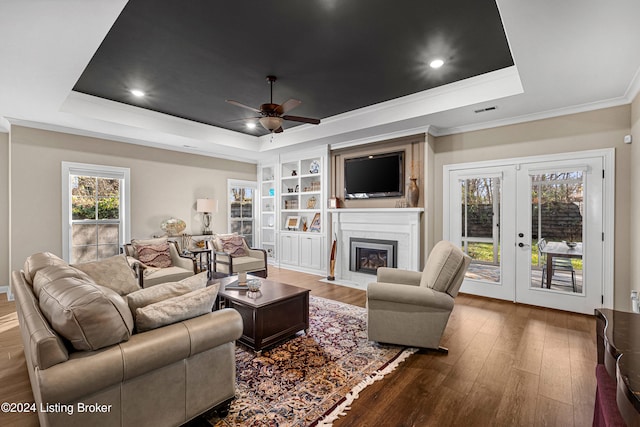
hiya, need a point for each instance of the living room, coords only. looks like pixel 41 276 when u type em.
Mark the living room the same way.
pixel 167 178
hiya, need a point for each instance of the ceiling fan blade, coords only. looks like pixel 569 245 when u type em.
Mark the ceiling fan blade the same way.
pixel 288 106
pixel 279 130
pixel 236 103
pixel 302 119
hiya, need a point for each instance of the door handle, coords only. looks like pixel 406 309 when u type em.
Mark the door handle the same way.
pixel 522 245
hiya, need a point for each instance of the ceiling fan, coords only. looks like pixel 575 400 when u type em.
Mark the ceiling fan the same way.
pixel 272 115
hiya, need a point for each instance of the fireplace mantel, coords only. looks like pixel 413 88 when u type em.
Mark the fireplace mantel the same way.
pixel 376 210
pixel 401 224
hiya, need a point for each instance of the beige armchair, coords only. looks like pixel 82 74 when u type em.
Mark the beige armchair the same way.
pixel 232 255
pixel 412 308
pixel 179 267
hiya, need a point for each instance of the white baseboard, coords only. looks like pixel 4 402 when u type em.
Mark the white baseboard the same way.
pixel 5 290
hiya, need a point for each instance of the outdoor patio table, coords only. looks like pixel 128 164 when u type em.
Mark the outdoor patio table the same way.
pixel 559 250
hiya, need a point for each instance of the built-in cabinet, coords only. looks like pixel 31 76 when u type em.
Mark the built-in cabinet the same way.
pixel 293 219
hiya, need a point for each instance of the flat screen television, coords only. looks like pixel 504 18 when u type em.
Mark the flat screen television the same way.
pixel 381 175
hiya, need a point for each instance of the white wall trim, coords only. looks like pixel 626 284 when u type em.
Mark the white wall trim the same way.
pixel 9 207
pixel 550 114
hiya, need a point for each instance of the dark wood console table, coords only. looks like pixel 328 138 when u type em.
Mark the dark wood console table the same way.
pixel 618 342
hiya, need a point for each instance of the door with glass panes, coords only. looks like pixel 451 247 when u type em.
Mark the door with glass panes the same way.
pixel 533 230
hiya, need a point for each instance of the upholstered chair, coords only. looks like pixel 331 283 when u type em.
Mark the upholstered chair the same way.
pixel 412 308
pixel 232 255
pixel 158 261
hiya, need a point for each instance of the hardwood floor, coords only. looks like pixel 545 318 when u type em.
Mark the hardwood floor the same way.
pixel 508 365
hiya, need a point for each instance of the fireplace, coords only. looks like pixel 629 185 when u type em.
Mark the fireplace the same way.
pixel 367 255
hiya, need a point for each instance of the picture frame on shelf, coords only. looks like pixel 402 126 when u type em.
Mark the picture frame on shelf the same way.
pixel 293 223
pixel 315 223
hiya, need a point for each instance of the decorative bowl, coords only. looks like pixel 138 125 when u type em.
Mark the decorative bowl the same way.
pixel 173 226
pixel 253 285
pixel 571 244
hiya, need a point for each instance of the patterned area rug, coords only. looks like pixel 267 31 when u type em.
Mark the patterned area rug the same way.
pixel 311 379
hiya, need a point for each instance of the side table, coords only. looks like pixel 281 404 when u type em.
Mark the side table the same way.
pixel 202 263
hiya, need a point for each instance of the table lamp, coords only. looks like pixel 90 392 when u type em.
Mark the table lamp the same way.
pixel 206 207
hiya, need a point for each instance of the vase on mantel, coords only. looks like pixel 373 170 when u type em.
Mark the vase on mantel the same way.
pixel 413 193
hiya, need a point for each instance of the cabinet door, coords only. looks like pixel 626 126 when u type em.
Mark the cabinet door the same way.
pixel 289 249
pixel 311 252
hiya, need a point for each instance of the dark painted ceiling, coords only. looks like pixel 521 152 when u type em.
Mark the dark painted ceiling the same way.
pixel 333 55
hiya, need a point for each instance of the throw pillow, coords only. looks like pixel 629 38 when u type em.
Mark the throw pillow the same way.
pixel 232 244
pixel 163 291
pixel 155 254
pixel 114 273
pixel 38 261
pixel 90 316
pixel 176 309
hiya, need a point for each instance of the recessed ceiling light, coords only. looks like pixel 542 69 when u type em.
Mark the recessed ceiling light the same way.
pixel 137 93
pixel 251 125
pixel 436 63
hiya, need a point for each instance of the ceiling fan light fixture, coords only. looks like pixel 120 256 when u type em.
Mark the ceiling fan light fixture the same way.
pixel 271 123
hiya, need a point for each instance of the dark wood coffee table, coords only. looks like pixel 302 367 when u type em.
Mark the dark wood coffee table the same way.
pixel 271 315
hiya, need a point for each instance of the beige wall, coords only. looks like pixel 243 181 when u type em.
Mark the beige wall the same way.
pixel 4 209
pixel 163 184
pixel 635 194
pixel 586 131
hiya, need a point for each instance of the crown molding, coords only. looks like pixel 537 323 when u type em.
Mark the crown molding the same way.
pixel 615 102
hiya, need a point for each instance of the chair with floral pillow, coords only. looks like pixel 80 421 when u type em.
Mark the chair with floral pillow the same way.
pixel 158 261
pixel 232 255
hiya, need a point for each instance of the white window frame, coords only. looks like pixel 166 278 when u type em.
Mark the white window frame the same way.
pixel 84 169
pixel 232 183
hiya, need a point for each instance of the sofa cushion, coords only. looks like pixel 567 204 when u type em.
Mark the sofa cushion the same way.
pixel 153 252
pixel 443 263
pixel 39 261
pixel 113 272
pixel 176 309
pixel 146 296
pixel 163 275
pixel 55 272
pixel 243 264
pixel 233 244
pixel 90 316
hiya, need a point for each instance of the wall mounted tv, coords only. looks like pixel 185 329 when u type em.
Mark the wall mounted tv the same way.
pixel 381 175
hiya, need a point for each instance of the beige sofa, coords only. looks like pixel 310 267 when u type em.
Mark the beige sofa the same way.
pixel 161 377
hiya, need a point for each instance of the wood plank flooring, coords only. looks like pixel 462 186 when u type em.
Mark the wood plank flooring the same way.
pixel 508 365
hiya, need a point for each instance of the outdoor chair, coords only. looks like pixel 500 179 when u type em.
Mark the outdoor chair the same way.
pixel 557 264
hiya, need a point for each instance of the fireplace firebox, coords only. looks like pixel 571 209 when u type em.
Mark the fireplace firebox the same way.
pixel 367 255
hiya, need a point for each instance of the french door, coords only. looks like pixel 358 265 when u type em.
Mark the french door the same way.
pixel 533 228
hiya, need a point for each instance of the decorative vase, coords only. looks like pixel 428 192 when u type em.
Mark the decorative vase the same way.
pixel 413 193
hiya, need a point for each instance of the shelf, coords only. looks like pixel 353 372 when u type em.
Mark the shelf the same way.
pixel 302 210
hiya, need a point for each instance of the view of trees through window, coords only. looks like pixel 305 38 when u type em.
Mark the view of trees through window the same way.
pixel 557 209
pixel 95 215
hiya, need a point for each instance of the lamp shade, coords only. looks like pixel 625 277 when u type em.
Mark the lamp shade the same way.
pixel 206 205
pixel 271 123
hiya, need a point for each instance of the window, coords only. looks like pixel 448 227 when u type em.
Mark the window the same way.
pixel 95 211
pixel 241 195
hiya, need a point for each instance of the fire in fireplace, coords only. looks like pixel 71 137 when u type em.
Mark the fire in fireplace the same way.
pixel 367 255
